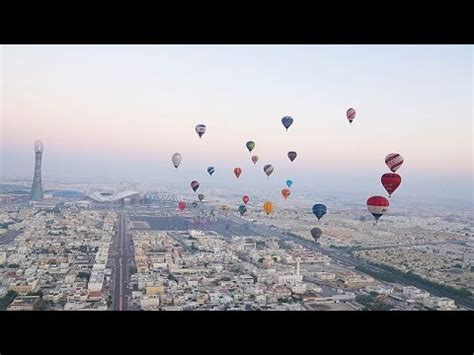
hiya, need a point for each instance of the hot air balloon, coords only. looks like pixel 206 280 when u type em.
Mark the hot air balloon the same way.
pixel 285 193
pixel 242 209
pixel 292 155
pixel 319 210
pixel 351 114
pixel 182 205
pixel 316 233
pixel 200 129
pixel 390 182
pixel 394 161
pixel 289 183
pixel 268 207
pixel 210 170
pixel 377 205
pixel 254 159
pixel 176 159
pixel 250 145
pixel 237 172
pixel 201 197
pixel 194 185
pixel 268 169
pixel 195 204
pixel 245 199
pixel 287 121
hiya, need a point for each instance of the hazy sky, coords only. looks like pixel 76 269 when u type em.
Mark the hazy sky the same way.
pixel 120 112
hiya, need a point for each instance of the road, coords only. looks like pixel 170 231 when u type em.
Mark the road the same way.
pixel 9 236
pixel 123 259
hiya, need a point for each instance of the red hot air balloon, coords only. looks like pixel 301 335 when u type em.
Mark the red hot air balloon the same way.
pixel 182 205
pixel 285 193
pixel 394 161
pixel 351 114
pixel 245 199
pixel 237 172
pixel 254 159
pixel 194 185
pixel 377 205
pixel 390 182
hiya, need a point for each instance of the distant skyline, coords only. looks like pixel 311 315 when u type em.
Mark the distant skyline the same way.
pixel 119 112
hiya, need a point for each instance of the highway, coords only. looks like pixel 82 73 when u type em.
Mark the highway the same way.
pixel 122 260
pixel 9 236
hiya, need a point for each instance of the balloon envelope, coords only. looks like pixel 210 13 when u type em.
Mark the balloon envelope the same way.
pixel 316 233
pixel 195 204
pixel 237 172
pixel 390 182
pixel 285 193
pixel 194 185
pixel 289 183
pixel 268 207
pixel 201 197
pixel 210 170
pixel 245 199
pixel 200 129
pixel 254 159
pixel 292 155
pixel 394 161
pixel 242 209
pixel 268 169
pixel 350 114
pixel 176 159
pixel 319 210
pixel 250 145
pixel 377 205
pixel 182 205
pixel 287 121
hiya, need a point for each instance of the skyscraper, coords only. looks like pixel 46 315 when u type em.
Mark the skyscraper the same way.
pixel 37 188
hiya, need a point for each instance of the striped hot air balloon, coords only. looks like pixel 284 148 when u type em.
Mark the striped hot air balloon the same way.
pixel 268 169
pixel 268 207
pixel 350 114
pixel 200 129
pixel 394 161
pixel 377 205
pixel 210 170
pixel 194 185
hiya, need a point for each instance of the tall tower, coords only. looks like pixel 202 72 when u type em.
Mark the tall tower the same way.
pixel 37 188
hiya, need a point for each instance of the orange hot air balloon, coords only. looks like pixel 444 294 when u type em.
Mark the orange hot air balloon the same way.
pixel 237 172
pixel 268 207
pixel 286 193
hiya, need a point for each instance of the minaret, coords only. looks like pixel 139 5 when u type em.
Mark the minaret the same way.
pixel 37 188
pixel 298 268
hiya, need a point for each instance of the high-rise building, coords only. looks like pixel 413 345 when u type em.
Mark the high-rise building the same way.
pixel 37 187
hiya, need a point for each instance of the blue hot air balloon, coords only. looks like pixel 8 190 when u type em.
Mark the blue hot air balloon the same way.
pixel 210 170
pixel 289 183
pixel 319 210
pixel 287 121
pixel 242 209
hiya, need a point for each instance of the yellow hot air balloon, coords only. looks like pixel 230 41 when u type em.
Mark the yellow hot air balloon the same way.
pixel 268 207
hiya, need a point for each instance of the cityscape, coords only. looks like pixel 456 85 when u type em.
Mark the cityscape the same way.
pixel 143 192
pixel 120 249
